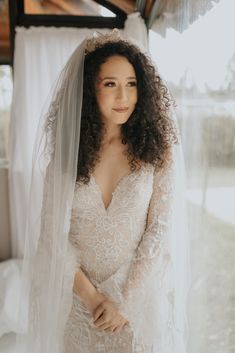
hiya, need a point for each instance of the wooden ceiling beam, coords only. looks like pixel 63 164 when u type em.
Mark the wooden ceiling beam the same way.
pixel 72 7
pixel 148 7
pixel 81 8
pixel 60 7
pixel 127 6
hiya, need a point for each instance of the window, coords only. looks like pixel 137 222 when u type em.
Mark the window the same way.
pixel 199 67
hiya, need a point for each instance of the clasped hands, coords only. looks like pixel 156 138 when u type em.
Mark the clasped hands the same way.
pixel 105 314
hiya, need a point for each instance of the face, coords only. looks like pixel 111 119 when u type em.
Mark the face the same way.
pixel 116 90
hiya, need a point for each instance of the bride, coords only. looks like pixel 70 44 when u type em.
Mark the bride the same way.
pixel 102 276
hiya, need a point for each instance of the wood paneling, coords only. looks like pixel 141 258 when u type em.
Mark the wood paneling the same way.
pixel 4 34
pixel 87 8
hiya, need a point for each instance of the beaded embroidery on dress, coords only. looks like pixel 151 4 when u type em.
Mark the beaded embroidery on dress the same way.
pixel 118 249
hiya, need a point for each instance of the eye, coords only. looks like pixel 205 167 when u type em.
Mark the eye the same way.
pixel 109 84
pixel 132 84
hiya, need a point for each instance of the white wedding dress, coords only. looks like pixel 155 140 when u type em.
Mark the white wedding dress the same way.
pixel 120 249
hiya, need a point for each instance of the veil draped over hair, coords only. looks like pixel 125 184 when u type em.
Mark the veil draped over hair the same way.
pixel 50 261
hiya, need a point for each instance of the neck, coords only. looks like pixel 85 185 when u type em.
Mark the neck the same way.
pixel 112 134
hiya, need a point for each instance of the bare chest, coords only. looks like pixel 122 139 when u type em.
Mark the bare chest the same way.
pixel 113 166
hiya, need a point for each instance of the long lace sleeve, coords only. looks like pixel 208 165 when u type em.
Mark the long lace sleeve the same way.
pixel 151 255
pixel 137 297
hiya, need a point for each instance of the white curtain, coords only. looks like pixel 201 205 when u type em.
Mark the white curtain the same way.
pixel 199 66
pixel 40 54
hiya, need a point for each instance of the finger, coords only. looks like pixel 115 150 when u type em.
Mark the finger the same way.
pixel 115 332
pixel 111 328
pixel 98 312
pixel 118 329
pixel 123 325
pixel 100 321
pixel 104 327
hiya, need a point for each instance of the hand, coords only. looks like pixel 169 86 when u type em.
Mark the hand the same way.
pixel 86 291
pixel 93 300
pixel 107 317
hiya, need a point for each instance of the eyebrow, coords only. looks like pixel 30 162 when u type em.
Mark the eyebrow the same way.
pixel 115 78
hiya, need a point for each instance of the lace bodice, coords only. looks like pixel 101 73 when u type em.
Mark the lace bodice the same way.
pixel 107 238
pixel 122 247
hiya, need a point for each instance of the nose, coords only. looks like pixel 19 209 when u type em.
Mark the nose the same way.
pixel 122 93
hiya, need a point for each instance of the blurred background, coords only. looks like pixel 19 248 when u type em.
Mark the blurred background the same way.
pixel 192 43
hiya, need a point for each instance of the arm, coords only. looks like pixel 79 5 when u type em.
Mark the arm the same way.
pixel 87 291
pixel 151 257
pixel 82 286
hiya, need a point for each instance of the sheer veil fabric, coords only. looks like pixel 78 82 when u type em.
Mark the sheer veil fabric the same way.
pixel 55 166
pixel 50 262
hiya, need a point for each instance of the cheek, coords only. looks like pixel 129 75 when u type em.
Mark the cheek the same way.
pixel 99 97
pixel 134 97
pixel 104 98
pixel 104 102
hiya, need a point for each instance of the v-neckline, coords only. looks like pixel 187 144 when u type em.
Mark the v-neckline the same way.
pixel 117 187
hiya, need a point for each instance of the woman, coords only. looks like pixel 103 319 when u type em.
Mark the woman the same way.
pixel 120 247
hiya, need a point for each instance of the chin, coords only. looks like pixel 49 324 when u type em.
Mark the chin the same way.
pixel 117 120
pixel 121 121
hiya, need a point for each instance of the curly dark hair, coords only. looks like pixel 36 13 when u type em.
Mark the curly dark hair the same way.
pixel 149 131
